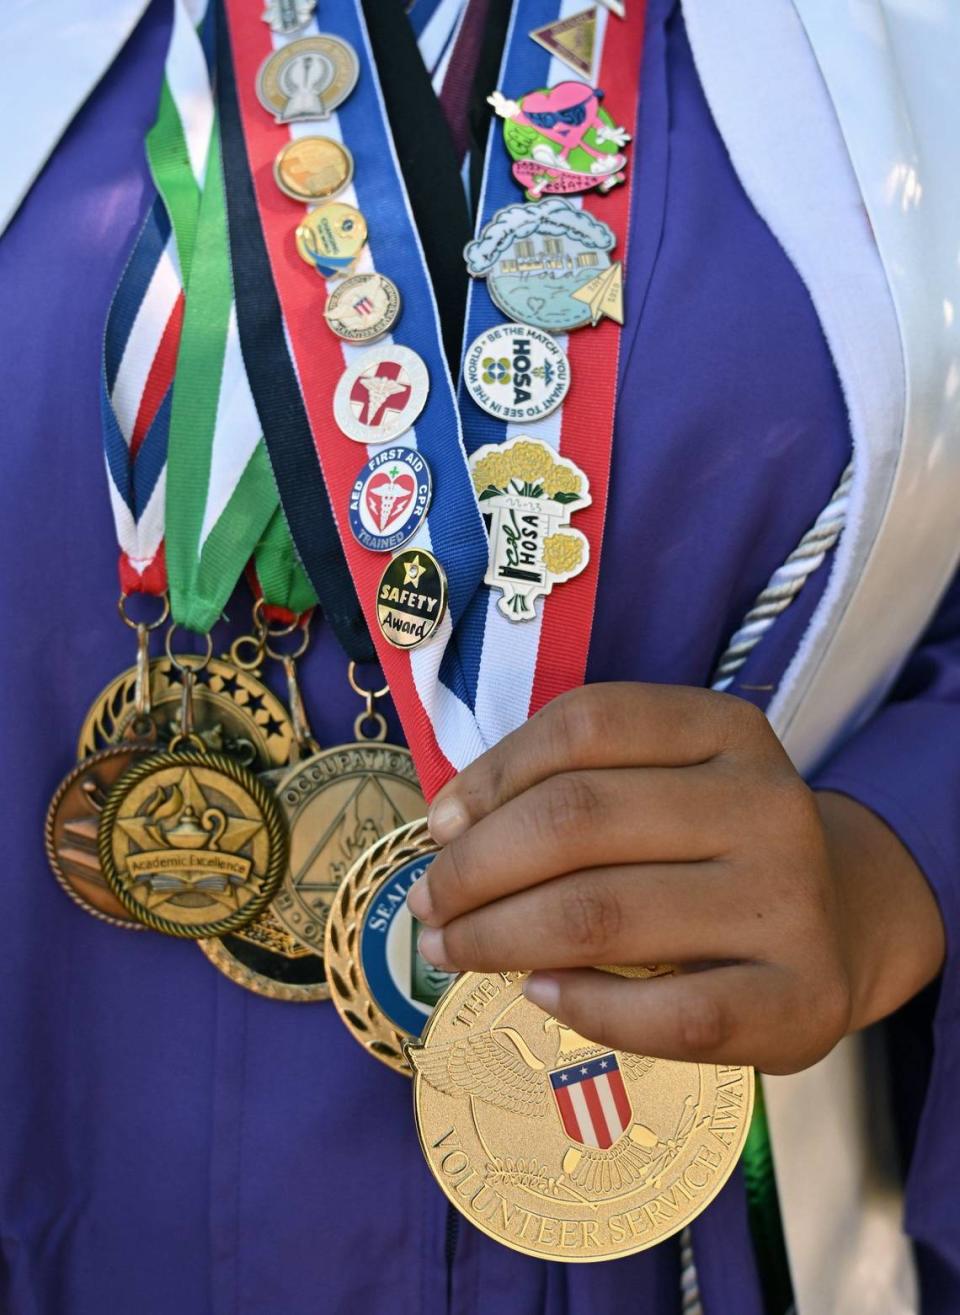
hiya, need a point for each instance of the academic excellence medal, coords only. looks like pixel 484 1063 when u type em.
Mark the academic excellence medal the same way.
pixel 338 804
pixel 561 1148
pixel 192 843
pixel 383 990
pixel 561 140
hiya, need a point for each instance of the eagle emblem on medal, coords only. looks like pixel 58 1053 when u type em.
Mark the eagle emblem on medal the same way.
pixel 558 1146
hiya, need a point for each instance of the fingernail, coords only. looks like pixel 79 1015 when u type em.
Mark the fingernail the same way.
pixel 418 899
pixel 447 819
pixel 543 991
pixel 432 948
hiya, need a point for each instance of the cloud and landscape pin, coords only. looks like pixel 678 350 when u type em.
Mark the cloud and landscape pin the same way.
pixel 308 79
pixel 390 499
pixel 516 373
pixel 560 140
pixel 542 263
pixel 380 396
pixel 527 493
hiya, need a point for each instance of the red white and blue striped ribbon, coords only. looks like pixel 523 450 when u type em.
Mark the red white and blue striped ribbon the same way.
pixel 447 690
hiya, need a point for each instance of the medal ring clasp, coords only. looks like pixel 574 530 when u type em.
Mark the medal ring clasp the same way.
pixel 193 665
pixel 128 620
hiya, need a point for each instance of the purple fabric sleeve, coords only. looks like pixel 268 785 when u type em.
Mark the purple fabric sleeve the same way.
pixel 904 765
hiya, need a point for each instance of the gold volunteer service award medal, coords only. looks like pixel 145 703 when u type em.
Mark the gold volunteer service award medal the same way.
pixel 338 804
pixel 331 238
pixel 561 1148
pixel 411 598
pixel 264 958
pixel 516 372
pixel 381 395
pixel 71 831
pixel 233 711
pixel 363 307
pixel 313 168
pixel 286 16
pixel 192 844
pixel 307 79
pixel 527 494
pixel 383 990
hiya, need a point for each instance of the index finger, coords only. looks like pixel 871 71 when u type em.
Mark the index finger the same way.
pixel 620 724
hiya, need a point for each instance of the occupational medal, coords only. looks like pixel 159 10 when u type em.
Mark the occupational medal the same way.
pixel 331 238
pixel 379 398
pixel 71 831
pixel 390 499
pixel 560 140
pixel 382 988
pixel 308 78
pixel 363 308
pixel 313 168
pixel 191 843
pixel 527 494
pixel 411 598
pixel 264 958
pixel 571 40
pixel 233 711
pixel 561 1148
pixel 539 261
pixel 516 373
pixel 338 804
pixel 286 16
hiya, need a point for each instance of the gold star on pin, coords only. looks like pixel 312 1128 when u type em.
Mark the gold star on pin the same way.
pixel 412 572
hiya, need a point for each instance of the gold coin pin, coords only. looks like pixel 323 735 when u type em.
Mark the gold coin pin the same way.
pixel 313 168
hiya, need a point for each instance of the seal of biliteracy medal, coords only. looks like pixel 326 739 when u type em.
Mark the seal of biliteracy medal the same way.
pixel 363 307
pixel 539 259
pixel 411 598
pixel 379 397
pixel 390 499
pixel 527 493
pixel 192 844
pixel 233 712
pixel 561 1148
pixel 516 372
pixel 382 988
pixel 338 804
pixel 70 834
pixel 308 78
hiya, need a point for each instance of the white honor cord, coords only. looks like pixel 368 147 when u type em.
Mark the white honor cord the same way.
pixel 786 582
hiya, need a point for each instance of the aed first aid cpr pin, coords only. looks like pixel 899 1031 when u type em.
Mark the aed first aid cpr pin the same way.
pixel 390 499
pixel 516 373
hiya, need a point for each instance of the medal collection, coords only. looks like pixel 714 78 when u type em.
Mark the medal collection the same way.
pixel 201 806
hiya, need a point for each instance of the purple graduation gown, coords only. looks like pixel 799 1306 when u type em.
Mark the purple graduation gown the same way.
pixel 172 1143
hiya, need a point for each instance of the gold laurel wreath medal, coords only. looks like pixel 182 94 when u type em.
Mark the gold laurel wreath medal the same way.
pixel 383 990
pixel 561 1148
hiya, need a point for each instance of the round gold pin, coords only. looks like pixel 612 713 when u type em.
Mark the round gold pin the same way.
pixel 331 238
pixel 313 168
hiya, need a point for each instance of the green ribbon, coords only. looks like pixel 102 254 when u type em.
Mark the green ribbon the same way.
pixel 763 1209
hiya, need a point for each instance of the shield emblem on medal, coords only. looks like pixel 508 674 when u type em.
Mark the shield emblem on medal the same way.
pixel 592 1101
